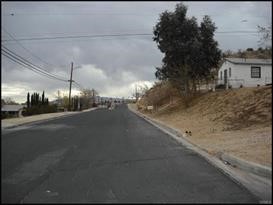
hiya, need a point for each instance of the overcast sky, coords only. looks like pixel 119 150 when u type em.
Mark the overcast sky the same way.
pixel 111 65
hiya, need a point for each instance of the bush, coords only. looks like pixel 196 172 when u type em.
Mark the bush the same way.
pixel 36 110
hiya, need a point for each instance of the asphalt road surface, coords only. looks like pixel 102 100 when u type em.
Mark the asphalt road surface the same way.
pixel 107 156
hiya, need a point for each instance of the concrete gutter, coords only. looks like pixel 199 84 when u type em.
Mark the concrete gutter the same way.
pixel 252 167
pixel 261 187
pixel 16 122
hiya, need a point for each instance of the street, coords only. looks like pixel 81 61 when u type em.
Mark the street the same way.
pixel 107 156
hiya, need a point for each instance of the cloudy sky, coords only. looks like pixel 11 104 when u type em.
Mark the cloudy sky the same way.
pixel 111 65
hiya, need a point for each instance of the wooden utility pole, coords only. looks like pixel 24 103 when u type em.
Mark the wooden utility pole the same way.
pixel 69 99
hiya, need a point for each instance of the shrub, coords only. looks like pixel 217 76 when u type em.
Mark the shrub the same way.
pixel 35 110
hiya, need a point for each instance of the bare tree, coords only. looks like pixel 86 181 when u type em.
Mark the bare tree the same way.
pixel 266 36
pixel 88 97
pixel 10 101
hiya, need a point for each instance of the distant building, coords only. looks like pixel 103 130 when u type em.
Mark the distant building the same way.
pixel 237 72
pixel 12 110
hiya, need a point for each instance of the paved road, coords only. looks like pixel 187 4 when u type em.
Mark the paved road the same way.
pixel 107 156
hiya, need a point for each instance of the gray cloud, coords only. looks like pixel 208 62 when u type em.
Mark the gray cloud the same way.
pixel 111 65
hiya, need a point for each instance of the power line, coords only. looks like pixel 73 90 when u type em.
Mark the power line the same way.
pixel 83 36
pixel 31 64
pixel 79 85
pixel 26 48
pixel 80 14
pixel 103 14
pixel 22 60
pixel 79 40
pixel 16 58
pixel 236 31
pixel 112 35
pixel 24 65
pixel 20 63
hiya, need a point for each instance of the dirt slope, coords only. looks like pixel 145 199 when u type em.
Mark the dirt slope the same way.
pixel 237 121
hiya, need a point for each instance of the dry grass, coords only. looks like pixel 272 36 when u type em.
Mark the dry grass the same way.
pixel 235 121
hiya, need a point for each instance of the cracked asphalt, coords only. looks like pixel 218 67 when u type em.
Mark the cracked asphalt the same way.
pixel 107 156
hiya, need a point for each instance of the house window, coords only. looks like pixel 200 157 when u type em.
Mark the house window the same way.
pixel 229 71
pixel 221 75
pixel 255 72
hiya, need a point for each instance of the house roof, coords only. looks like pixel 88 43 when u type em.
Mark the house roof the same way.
pixel 11 107
pixel 250 61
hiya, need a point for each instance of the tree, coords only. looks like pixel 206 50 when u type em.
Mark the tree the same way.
pixel 75 101
pixel 28 101
pixel 140 90
pixel 93 98
pixel 31 100
pixel 136 93
pixel 227 53
pixel 266 36
pixel 210 54
pixel 38 104
pixel 174 34
pixel 37 99
pixel 34 99
pixel 43 98
pixel 87 97
pixel 190 52
pixel 10 101
pixel 65 102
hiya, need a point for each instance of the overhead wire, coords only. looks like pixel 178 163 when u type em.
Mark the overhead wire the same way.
pixel 18 42
pixel 22 60
pixel 115 35
pixel 12 14
pixel 80 36
pixel 79 85
pixel 20 63
pixel 80 14
pixel 15 56
pixel 79 40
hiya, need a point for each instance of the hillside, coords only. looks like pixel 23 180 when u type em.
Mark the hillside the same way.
pixel 249 53
pixel 237 121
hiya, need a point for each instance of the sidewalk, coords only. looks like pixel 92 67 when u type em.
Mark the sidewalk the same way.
pixel 14 122
pixel 257 179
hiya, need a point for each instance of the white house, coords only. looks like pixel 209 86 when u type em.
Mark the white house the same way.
pixel 236 72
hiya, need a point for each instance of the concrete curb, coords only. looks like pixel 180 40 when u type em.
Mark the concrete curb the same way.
pixel 259 186
pixel 252 167
pixel 45 120
pixel 36 121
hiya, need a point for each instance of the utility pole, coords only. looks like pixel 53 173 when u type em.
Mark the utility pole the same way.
pixel 69 99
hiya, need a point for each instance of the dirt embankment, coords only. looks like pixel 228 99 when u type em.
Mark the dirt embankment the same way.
pixel 237 121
